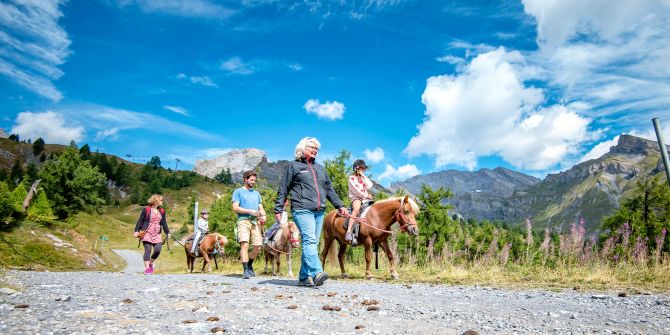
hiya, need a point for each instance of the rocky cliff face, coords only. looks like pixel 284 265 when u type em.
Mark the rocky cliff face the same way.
pixel 237 161
pixel 479 194
pixel 3 134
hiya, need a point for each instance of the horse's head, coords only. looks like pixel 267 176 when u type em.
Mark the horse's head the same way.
pixel 222 240
pixel 406 216
pixel 293 234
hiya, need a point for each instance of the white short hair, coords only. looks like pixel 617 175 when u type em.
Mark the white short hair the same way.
pixel 302 145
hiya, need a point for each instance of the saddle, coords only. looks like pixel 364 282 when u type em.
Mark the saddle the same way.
pixel 270 233
pixel 190 239
pixel 365 205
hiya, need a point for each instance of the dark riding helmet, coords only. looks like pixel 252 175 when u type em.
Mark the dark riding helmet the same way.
pixel 359 163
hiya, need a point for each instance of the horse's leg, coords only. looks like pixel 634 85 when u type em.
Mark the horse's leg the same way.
pixel 266 254
pixel 289 272
pixel 368 258
pixel 278 263
pixel 385 246
pixel 340 258
pixel 327 241
pixel 205 262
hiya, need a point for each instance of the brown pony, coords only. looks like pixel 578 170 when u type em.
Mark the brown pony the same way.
pixel 211 246
pixel 284 241
pixel 377 229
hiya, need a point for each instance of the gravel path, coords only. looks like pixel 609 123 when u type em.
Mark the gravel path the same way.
pixel 120 303
pixel 134 262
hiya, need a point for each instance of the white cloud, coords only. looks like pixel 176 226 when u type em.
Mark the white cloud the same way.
pixel 190 8
pixel 101 118
pixel 330 110
pixel 237 66
pixel 107 134
pixel 614 58
pixel 401 173
pixel 177 109
pixel 49 125
pixel 296 67
pixel 487 110
pixel 375 155
pixel 204 80
pixel 33 45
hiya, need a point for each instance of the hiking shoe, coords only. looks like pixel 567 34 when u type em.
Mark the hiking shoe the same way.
pixel 320 278
pixel 252 273
pixel 151 268
pixel 308 282
pixel 246 274
pixel 348 237
pixel 147 271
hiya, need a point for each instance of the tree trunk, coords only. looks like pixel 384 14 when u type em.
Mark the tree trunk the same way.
pixel 31 194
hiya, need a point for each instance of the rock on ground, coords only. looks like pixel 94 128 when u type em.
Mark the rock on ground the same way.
pixel 122 303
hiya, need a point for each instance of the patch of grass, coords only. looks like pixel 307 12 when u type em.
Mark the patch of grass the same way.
pixel 27 247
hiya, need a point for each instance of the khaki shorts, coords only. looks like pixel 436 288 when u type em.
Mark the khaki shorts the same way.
pixel 246 229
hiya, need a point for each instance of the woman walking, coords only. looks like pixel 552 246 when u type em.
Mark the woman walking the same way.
pixel 148 229
pixel 308 185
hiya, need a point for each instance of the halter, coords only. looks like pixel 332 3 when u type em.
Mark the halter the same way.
pixel 290 239
pixel 402 218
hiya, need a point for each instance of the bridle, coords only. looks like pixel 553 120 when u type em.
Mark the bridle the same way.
pixel 289 237
pixel 401 217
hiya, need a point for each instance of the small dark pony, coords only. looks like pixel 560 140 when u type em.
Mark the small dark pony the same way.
pixel 212 245
pixel 283 242
pixel 376 229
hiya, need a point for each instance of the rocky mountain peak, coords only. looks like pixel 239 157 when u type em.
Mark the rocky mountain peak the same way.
pixel 629 144
pixel 237 161
pixel 3 134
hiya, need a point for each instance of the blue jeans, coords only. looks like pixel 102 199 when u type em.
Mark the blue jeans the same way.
pixel 309 223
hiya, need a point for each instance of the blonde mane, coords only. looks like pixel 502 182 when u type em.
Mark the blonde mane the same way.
pixel 412 203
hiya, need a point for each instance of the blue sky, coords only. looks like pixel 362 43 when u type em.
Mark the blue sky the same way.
pixel 412 86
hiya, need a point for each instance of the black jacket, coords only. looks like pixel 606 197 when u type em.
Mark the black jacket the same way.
pixel 143 221
pixel 308 185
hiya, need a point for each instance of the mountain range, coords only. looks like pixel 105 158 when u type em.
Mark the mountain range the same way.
pixel 590 190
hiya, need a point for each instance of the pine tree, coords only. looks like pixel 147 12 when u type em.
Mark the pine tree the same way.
pixel 85 152
pixel 18 195
pixel 6 207
pixel 71 183
pixel 40 209
pixel 38 146
pixel 17 172
pixel 31 173
pixel 224 177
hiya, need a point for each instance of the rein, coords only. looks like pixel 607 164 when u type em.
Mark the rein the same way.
pixel 363 221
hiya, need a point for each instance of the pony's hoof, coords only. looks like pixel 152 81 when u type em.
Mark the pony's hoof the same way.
pixel 368 277
pixel 290 275
pixel 274 275
pixel 345 275
pixel 394 276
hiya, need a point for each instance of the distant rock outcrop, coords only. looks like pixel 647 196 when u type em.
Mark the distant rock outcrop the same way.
pixel 3 134
pixel 237 161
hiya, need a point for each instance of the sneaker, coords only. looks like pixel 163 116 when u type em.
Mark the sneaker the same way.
pixel 252 273
pixel 245 275
pixel 308 282
pixel 320 278
pixel 147 271
pixel 151 268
